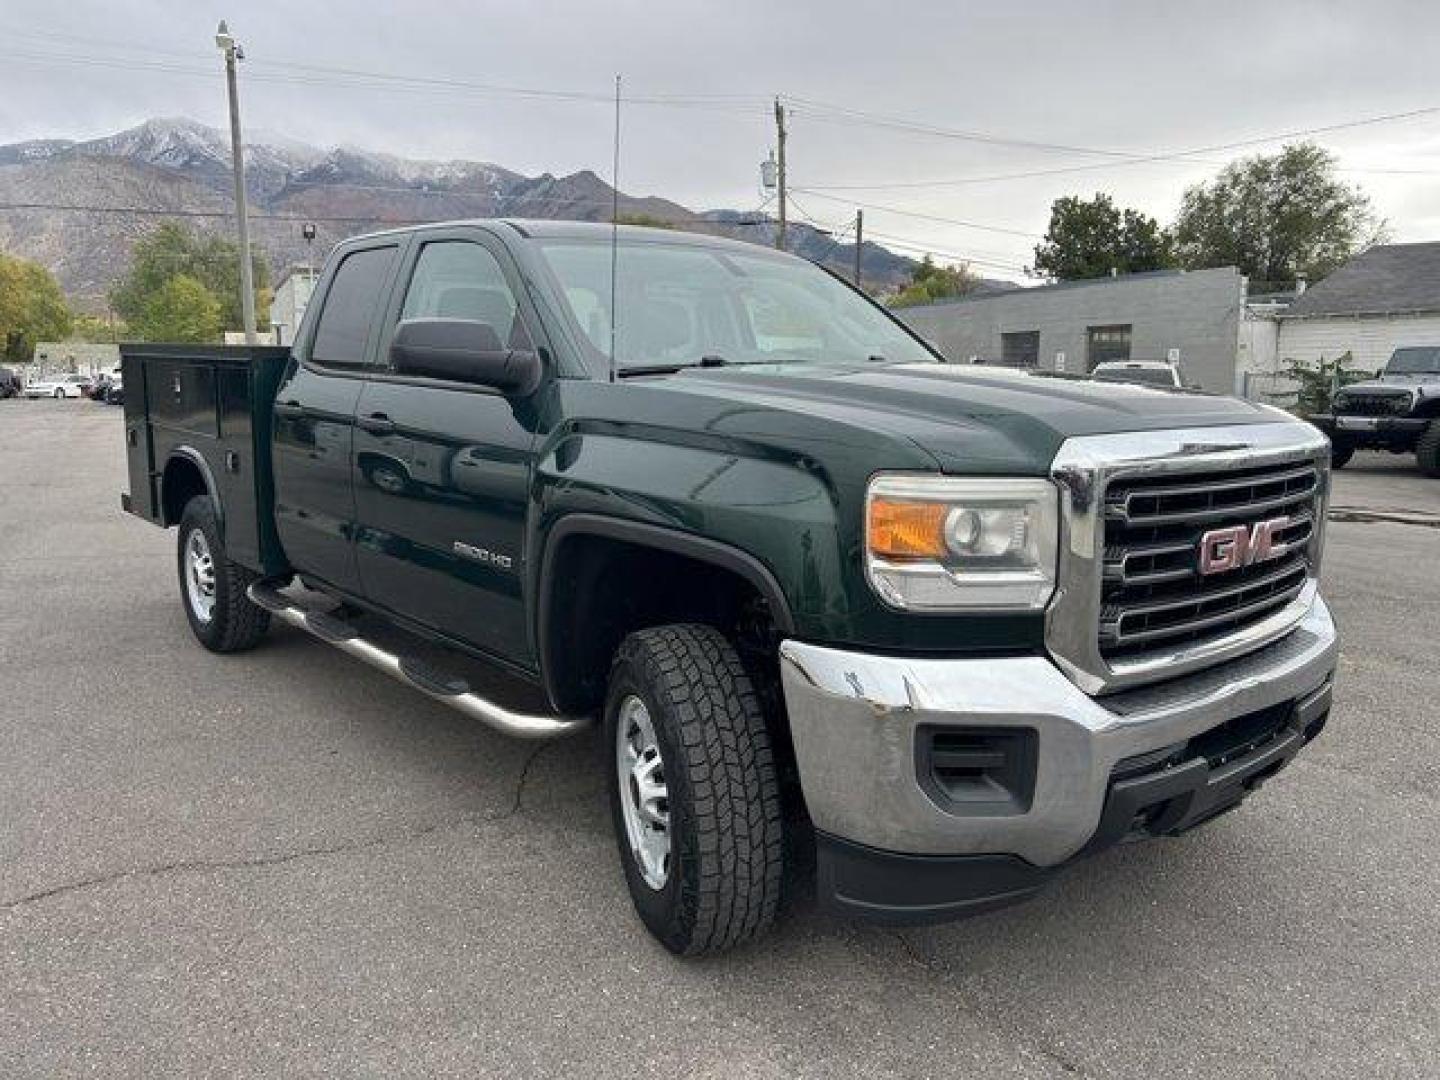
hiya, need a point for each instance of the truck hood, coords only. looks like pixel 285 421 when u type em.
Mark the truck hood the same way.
pixel 1428 381
pixel 969 419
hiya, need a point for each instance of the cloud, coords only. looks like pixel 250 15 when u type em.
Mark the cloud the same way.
pixel 1128 76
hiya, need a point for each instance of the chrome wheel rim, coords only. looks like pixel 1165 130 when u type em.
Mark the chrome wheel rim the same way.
pixel 199 576
pixel 644 796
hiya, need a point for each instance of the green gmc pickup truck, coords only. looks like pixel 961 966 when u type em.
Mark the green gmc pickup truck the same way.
pixel 944 629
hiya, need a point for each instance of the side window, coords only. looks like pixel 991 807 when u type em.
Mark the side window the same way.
pixel 350 307
pixel 457 279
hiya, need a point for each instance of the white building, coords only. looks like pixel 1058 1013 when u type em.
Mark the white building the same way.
pixel 1382 299
pixel 287 308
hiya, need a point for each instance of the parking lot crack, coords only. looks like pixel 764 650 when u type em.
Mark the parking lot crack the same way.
pixel 522 780
pixel 1031 1041
pixel 183 866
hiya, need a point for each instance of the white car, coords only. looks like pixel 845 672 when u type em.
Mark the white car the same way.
pixel 1140 373
pixel 58 386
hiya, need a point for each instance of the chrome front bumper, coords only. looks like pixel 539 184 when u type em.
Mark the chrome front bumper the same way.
pixel 854 719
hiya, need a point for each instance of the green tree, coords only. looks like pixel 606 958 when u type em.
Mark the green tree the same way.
pixel 1276 217
pixel 209 258
pixel 930 281
pixel 32 308
pixel 182 309
pixel 649 221
pixel 1316 386
pixel 97 328
pixel 1090 238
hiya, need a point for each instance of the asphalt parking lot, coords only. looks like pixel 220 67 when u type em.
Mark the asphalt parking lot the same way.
pixel 283 863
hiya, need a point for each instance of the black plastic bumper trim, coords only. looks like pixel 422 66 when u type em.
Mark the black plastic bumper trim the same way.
pixel 1165 800
pixel 905 890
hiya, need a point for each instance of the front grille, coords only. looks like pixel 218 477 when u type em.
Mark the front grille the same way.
pixel 1153 595
pixel 1372 403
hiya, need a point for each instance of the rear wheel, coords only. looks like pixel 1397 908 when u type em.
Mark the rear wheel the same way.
pixel 693 790
pixel 1427 450
pixel 221 615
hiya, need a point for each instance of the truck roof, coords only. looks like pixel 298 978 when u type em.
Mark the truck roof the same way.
pixel 597 231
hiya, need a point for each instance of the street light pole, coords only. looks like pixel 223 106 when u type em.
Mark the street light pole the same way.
pixel 233 52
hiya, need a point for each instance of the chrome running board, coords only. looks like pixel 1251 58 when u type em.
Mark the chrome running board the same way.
pixel 444 688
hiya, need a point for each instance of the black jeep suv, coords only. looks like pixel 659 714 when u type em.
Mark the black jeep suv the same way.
pixel 1398 410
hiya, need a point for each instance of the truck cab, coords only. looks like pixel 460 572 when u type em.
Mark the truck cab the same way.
pixel 948 628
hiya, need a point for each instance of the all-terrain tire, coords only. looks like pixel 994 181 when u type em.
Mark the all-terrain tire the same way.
pixel 1340 456
pixel 1427 449
pixel 726 830
pixel 235 623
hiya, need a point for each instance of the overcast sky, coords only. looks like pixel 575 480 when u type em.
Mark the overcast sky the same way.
pixel 1135 77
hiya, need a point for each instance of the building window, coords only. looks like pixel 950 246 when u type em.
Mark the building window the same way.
pixel 1106 344
pixel 1020 348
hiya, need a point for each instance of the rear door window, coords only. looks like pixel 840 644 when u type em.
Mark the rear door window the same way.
pixel 351 305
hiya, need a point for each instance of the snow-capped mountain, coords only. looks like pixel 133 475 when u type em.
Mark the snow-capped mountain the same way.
pixel 131 178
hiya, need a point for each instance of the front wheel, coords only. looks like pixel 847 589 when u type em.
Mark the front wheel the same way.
pixel 1340 456
pixel 221 615
pixel 693 790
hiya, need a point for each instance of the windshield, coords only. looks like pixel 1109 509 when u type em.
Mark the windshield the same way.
pixel 1143 376
pixel 1419 360
pixel 680 305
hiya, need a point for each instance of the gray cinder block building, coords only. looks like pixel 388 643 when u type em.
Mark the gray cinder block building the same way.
pixel 1192 318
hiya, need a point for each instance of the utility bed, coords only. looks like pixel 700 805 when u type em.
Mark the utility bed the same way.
pixel 211 404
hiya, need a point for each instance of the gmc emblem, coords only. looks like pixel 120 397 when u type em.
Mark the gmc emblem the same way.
pixel 1236 546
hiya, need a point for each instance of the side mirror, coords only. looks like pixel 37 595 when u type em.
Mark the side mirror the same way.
pixel 463 350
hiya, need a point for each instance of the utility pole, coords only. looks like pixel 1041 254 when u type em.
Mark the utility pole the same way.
pixel 780 178
pixel 859 244
pixel 233 52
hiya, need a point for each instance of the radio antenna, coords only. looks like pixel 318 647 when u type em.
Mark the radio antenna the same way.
pixel 614 227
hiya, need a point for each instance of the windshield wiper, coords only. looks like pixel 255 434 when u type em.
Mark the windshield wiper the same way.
pixel 710 360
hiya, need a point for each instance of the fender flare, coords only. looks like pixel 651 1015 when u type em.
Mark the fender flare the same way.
pixel 663 538
pixel 189 453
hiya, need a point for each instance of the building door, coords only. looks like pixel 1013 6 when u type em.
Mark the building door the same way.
pixel 1106 344
pixel 1020 349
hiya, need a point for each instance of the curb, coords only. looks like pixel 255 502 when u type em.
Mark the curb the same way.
pixel 1397 517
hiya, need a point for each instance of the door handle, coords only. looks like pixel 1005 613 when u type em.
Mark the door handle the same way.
pixel 288 408
pixel 376 424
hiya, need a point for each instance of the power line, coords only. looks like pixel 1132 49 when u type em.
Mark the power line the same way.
pixel 918 248
pixel 305 73
pixel 923 217
pixel 1191 156
pixel 298 72
pixel 960 181
pixel 844 114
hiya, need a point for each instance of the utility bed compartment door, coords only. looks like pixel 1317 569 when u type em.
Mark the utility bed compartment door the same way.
pixel 142 499
pixel 213 403
pixel 180 394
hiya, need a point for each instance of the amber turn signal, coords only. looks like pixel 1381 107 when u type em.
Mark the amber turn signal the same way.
pixel 907 530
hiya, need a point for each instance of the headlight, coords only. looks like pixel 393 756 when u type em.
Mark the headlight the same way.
pixel 941 543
